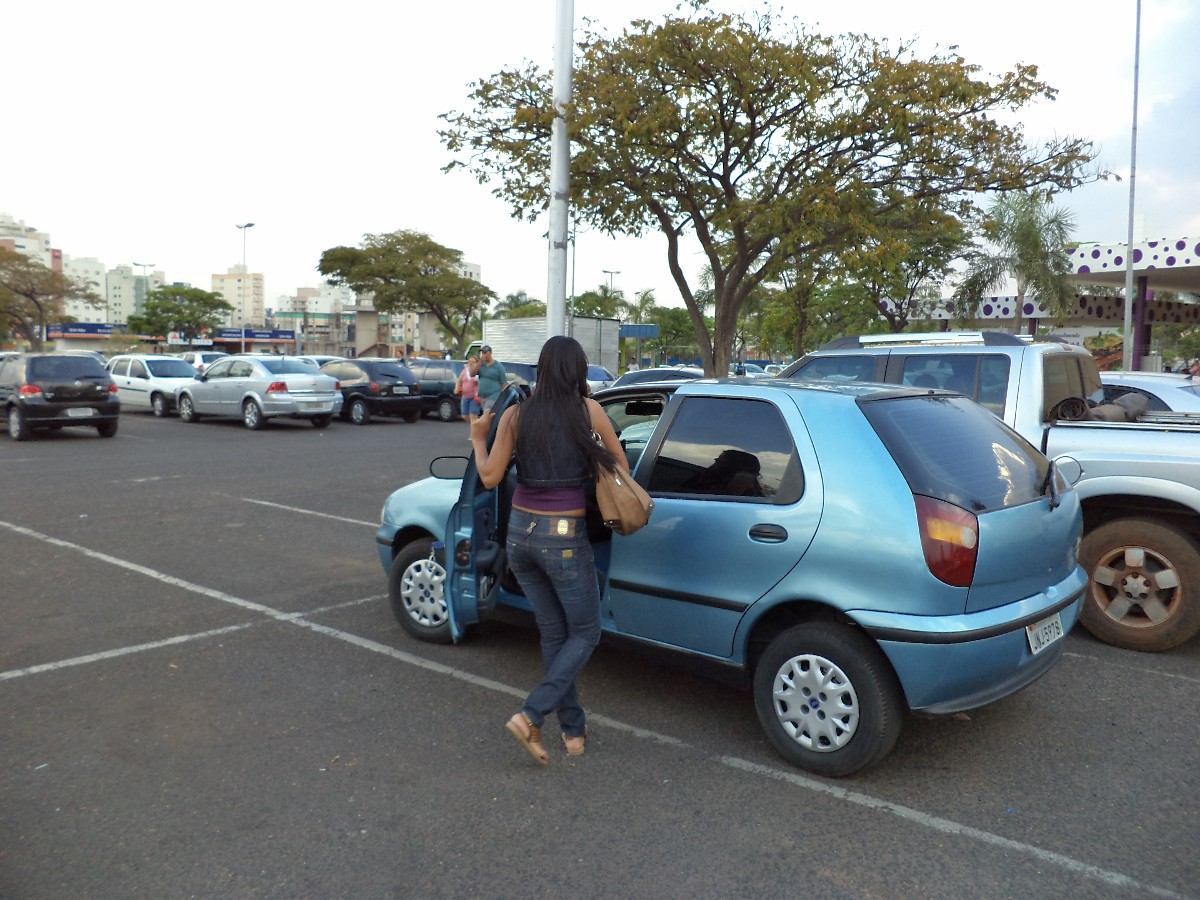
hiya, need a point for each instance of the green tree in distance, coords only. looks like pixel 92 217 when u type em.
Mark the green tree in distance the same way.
pixel 758 139
pixel 1028 238
pixel 32 296
pixel 408 271
pixel 187 310
pixel 601 302
pixel 516 302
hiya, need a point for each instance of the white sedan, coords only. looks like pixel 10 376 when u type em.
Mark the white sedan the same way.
pixel 145 381
pixel 1164 391
pixel 258 388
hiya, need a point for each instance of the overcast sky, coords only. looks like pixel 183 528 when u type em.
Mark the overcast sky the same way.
pixel 146 130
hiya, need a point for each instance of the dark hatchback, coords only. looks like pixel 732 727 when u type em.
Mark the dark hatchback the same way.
pixel 375 387
pixel 52 390
pixel 437 378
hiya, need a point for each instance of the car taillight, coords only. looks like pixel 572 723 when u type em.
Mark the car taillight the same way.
pixel 950 538
pixel 374 387
pixel 30 390
pixel 112 387
pixel 416 388
pixel 277 387
pixel 337 385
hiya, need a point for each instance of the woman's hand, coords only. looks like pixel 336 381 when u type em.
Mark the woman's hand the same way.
pixel 480 427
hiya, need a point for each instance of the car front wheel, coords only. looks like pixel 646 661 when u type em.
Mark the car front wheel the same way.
pixel 827 699
pixel 158 404
pixel 252 416
pixel 1143 584
pixel 187 411
pixel 417 590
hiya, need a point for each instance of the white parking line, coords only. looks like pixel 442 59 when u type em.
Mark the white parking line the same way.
pixel 1142 669
pixel 311 512
pixel 854 797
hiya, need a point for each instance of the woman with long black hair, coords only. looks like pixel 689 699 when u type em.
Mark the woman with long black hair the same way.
pixel 551 435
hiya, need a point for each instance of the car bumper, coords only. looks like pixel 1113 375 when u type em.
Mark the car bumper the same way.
pixel 40 415
pixel 395 406
pixel 383 545
pixel 948 664
pixel 316 406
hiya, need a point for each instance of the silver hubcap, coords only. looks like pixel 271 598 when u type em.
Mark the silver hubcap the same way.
pixel 816 703
pixel 159 406
pixel 251 415
pixel 421 590
pixel 358 413
pixel 1136 587
pixel 185 408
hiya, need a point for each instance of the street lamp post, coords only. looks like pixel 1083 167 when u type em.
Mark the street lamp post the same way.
pixel 610 273
pixel 245 275
pixel 145 285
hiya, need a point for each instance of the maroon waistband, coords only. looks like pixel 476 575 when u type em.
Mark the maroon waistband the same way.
pixel 550 499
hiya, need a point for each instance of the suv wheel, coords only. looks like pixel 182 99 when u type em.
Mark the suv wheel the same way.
pixel 18 430
pixel 417 590
pixel 827 699
pixel 447 410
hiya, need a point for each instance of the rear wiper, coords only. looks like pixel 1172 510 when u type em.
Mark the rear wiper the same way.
pixel 1051 485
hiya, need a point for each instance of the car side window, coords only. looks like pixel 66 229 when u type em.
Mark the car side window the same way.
pixel 723 448
pixel 352 374
pixel 1153 403
pixel 241 369
pixel 136 369
pixel 837 368
pixel 982 377
pixel 633 420
pixel 121 367
pixel 8 371
pixel 219 370
pixel 1062 379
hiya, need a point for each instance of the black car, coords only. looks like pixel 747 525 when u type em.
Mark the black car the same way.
pixel 375 387
pixel 660 373
pixel 53 390
pixel 437 378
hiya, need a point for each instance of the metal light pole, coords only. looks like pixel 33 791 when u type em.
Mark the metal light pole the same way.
pixel 145 285
pixel 1127 345
pixel 560 170
pixel 610 273
pixel 245 276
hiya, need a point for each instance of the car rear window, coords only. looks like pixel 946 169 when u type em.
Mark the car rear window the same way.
pixel 286 366
pixel 65 368
pixel 170 368
pixel 952 449
pixel 394 371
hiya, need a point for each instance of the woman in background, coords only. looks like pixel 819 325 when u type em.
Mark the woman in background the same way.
pixel 467 389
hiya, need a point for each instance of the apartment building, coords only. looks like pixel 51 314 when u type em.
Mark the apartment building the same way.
pixel 244 292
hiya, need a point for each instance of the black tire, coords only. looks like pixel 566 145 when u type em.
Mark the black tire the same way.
pixel 252 415
pixel 411 417
pixel 417 595
pixel 360 413
pixel 187 411
pixel 108 429
pixel 871 704
pixel 1143 588
pixel 322 421
pixel 158 405
pixel 447 409
pixel 18 428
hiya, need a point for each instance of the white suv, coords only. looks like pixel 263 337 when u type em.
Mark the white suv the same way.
pixel 149 382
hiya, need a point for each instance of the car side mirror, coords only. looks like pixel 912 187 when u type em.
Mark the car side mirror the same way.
pixel 449 467
pixel 200 376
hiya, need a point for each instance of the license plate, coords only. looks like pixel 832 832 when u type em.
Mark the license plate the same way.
pixel 400 389
pixel 1044 633
pixel 315 404
pixel 81 413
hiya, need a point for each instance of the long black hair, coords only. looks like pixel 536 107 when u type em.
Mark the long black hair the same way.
pixel 557 406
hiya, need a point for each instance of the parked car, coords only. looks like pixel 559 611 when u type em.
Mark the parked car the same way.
pixel 773 369
pixel 375 387
pixel 200 360
pixel 1141 480
pixel 522 376
pixel 598 378
pixel 1163 391
pixel 258 388
pixel 52 390
pixel 857 551
pixel 659 373
pixel 150 382
pixel 437 378
pixel 316 361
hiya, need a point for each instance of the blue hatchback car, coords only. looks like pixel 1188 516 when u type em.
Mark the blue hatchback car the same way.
pixel 858 550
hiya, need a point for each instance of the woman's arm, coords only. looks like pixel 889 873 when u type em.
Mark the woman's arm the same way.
pixel 492 466
pixel 603 427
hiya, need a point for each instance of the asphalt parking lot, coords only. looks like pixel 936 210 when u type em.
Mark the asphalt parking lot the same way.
pixel 203 693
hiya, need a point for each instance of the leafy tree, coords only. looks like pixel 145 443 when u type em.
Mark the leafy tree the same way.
pixel 32 296
pixel 675 334
pixel 642 306
pixel 1028 239
pixel 758 139
pixel 514 301
pixel 529 310
pixel 187 310
pixel 602 302
pixel 407 271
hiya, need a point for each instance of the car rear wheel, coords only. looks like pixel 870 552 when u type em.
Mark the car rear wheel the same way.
pixel 417 590
pixel 360 414
pixel 18 429
pixel 252 416
pixel 107 429
pixel 1143 584
pixel 158 405
pixel 411 417
pixel 447 410
pixel 322 421
pixel 827 699
pixel 187 411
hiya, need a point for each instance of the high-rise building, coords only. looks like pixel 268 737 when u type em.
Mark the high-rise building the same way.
pixel 89 272
pixel 126 292
pixel 27 240
pixel 244 292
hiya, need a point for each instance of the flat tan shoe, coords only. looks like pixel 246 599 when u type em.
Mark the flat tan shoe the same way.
pixel 528 736
pixel 575 745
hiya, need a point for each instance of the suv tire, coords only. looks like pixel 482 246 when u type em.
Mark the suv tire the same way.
pixel 18 429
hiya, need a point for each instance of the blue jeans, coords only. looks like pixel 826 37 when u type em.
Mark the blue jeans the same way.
pixel 558 575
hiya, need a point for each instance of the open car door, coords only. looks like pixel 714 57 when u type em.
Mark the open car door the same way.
pixel 475 536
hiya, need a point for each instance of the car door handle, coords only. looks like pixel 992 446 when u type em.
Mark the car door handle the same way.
pixel 768 534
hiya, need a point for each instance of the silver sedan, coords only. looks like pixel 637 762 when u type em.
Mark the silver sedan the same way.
pixel 258 388
pixel 1164 391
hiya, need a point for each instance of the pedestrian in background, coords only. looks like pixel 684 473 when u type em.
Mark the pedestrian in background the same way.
pixel 467 389
pixel 492 378
pixel 548 549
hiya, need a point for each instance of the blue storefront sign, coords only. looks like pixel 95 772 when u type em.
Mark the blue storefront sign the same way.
pixel 79 329
pixel 255 334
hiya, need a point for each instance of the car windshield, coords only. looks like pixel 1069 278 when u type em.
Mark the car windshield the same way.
pixel 169 368
pixel 952 449
pixel 286 366
pixel 599 373
pixel 65 368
